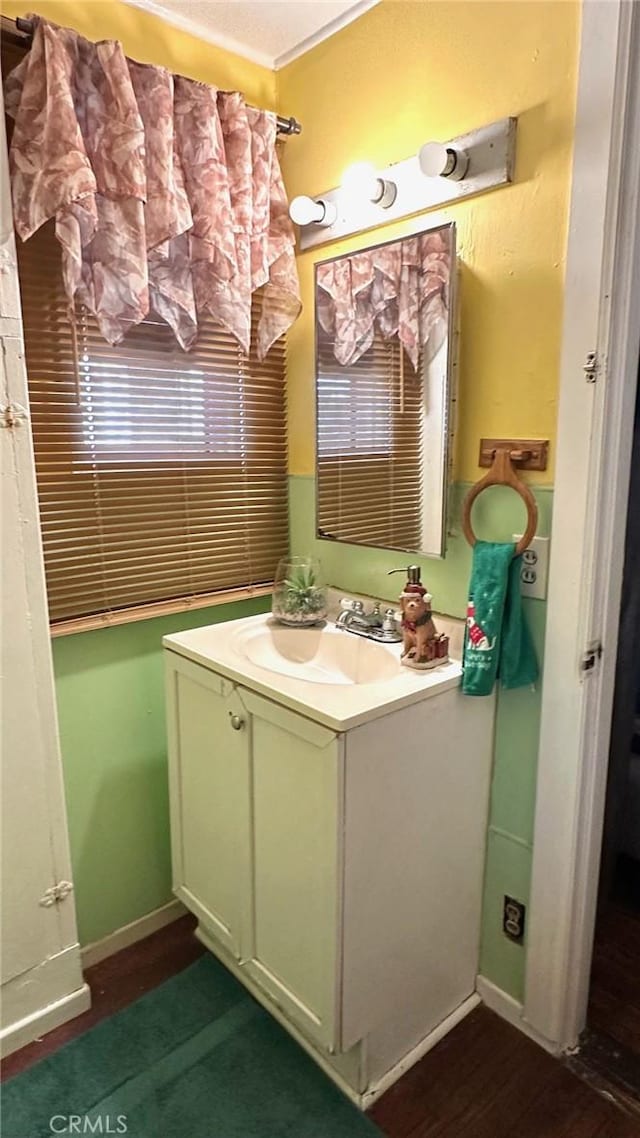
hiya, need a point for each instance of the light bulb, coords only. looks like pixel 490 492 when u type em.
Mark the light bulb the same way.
pixel 307 211
pixel 361 181
pixel 439 161
pixel 304 210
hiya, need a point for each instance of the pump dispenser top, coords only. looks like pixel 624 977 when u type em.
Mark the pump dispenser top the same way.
pixel 413 575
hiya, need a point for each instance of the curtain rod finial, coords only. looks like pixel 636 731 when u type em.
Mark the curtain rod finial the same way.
pixel 288 125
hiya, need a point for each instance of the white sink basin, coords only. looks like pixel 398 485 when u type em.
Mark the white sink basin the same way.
pixel 325 674
pixel 317 655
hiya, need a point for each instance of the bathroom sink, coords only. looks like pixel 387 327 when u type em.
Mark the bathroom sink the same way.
pixel 326 674
pixel 318 655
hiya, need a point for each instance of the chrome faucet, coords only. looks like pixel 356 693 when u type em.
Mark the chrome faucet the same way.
pixel 375 625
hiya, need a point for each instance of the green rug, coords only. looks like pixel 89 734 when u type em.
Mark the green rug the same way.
pixel 195 1058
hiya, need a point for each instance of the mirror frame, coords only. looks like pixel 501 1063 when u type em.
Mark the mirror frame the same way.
pixel 448 426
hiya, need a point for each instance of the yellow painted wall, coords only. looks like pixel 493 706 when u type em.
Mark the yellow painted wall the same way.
pixel 409 71
pixel 149 39
pixel 406 71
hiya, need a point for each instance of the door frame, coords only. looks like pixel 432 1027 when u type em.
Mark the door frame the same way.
pixel 595 427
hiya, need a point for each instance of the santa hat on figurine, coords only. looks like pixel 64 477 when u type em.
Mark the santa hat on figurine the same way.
pixel 412 589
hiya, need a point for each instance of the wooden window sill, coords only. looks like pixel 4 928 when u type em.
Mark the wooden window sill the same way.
pixel 157 608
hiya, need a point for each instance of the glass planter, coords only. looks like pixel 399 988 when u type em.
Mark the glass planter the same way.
pixel 299 594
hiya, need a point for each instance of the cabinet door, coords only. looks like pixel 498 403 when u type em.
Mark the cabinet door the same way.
pixel 296 780
pixel 209 795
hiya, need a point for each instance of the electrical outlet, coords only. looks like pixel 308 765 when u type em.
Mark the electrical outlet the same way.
pixel 513 918
pixel 535 567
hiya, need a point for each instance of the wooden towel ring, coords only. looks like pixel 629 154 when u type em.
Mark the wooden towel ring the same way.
pixel 502 473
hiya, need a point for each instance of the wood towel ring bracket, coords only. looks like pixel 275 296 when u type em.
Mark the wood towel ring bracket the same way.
pixel 503 473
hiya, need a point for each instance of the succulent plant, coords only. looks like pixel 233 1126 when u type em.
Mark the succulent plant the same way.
pixel 300 593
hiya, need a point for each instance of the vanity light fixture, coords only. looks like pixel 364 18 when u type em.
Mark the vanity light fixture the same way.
pixel 439 161
pixel 363 181
pixel 454 169
pixel 311 211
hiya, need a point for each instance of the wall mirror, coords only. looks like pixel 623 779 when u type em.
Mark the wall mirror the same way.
pixel 384 348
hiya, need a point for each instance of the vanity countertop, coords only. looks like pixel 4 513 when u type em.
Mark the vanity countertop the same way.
pixel 339 706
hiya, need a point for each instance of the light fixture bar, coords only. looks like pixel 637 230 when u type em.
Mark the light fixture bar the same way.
pixel 490 152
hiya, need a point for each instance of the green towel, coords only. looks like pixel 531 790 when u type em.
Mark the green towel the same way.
pixel 497 641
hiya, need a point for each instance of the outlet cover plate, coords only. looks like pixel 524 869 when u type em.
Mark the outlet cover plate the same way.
pixel 535 568
pixel 513 919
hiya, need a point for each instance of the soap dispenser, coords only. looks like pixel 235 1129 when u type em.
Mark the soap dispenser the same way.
pixel 423 647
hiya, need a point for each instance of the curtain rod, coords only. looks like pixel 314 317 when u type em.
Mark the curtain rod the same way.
pixel 22 33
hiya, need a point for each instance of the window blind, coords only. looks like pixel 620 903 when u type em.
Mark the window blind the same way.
pixel 161 474
pixel 370 438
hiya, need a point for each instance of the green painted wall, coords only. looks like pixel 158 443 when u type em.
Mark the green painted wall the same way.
pixel 109 686
pixel 498 514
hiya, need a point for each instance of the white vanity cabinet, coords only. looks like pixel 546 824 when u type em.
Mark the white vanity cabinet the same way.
pixel 255 797
pixel 337 873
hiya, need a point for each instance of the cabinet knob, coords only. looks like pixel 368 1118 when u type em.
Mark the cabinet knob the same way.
pixel 236 722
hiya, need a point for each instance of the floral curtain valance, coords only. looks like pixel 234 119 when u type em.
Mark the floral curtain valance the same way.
pixel 400 289
pixel 167 193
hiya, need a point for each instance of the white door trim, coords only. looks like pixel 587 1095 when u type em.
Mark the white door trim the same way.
pixel 595 427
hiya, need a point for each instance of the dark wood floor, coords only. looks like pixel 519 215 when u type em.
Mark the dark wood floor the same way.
pixel 487 1080
pixel 609 1056
pixel 614 1001
pixel 484 1080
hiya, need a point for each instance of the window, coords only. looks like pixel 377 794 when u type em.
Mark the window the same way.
pixel 355 406
pixel 370 442
pixel 148 400
pixel 161 474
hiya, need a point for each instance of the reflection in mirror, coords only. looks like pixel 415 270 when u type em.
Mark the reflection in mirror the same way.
pixel 383 358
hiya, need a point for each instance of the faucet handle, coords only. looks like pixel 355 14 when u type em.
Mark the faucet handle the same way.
pixel 391 618
pixel 349 605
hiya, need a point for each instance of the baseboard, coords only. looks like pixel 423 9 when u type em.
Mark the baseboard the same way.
pixel 33 1026
pixel 510 1009
pixel 137 930
pixel 418 1052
